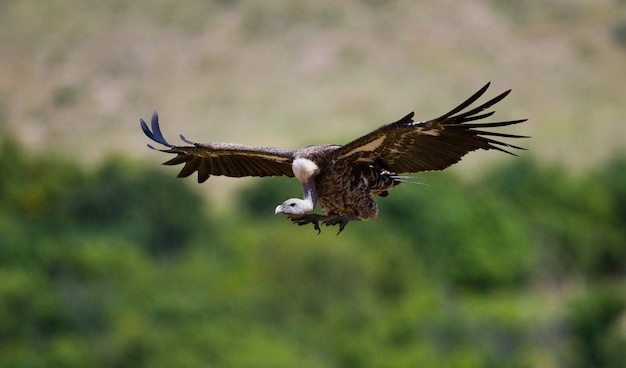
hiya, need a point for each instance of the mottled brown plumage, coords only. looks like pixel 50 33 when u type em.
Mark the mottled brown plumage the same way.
pixel 345 178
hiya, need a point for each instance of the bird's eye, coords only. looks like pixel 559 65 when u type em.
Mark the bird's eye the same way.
pixel 292 205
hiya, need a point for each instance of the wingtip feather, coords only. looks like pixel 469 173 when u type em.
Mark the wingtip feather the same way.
pixel 182 137
pixel 485 88
pixel 154 134
pixel 466 103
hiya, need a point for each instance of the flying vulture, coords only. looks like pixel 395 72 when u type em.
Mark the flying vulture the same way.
pixel 345 178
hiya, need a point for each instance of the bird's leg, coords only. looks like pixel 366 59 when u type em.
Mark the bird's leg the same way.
pixel 342 221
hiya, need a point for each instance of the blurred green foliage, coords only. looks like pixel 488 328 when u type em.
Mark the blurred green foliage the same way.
pixel 125 266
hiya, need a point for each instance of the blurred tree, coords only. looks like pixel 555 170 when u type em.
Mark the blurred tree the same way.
pixel 465 234
pixel 437 280
pixel 576 222
pixel 599 340
pixel 153 209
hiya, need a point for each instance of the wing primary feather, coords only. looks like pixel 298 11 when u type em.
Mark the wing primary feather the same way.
pixel 203 171
pixel 189 168
pixel 486 105
pixel 156 128
pixel 503 150
pixel 496 145
pixel 155 134
pixel 503 135
pixel 180 159
pixel 182 137
pixel 466 103
pixel 147 131
pixel 508 145
pixel 494 124
pixel 476 117
pixel 407 119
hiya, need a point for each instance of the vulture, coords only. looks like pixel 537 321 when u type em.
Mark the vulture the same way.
pixel 345 178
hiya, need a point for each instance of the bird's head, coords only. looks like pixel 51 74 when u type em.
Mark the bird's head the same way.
pixel 294 207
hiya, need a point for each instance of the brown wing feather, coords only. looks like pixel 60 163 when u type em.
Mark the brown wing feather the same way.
pixel 407 146
pixel 228 159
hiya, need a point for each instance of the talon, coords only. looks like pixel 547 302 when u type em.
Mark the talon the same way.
pixel 342 225
pixel 308 219
pixel 316 226
pixel 342 221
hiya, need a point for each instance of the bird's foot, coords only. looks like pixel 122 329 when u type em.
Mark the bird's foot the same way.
pixel 309 219
pixel 328 220
pixel 342 221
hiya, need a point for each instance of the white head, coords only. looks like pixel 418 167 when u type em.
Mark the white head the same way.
pixel 294 207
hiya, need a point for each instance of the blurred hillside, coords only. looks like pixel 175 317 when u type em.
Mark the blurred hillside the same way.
pixel 76 76
pixel 108 260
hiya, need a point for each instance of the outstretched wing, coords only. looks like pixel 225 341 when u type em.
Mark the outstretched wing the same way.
pixel 228 159
pixel 407 146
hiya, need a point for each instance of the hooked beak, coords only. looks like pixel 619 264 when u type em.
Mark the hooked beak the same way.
pixel 279 209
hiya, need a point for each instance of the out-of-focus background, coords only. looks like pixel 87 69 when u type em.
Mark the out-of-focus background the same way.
pixel 107 260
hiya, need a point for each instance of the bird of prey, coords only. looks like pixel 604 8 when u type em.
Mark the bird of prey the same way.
pixel 345 178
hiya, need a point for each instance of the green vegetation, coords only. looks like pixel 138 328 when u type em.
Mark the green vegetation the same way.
pixel 125 266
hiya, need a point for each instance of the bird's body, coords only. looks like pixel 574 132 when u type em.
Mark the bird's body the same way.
pixel 345 178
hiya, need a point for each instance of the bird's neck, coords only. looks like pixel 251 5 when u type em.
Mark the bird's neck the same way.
pixel 310 193
pixel 305 171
